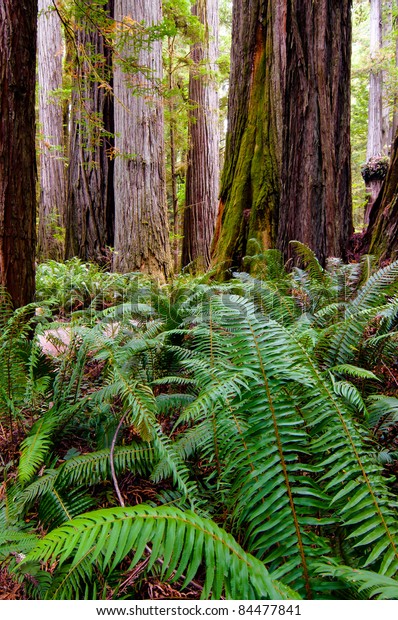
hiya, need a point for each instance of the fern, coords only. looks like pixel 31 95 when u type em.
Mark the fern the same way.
pixel 39 441
pixel 89 469
pixel 381 284
pixel 258 408
pixel 374 585
pixel 58 505
pixel 292 411
pixel 181 540
pixel 360 494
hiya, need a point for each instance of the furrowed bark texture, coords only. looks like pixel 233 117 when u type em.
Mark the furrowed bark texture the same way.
pixel 378 115
pixel 315 206
pixel 18 23
pixel 51 118
pixel 287 170
pixel 202 182
pixel 141 221
pixel 387 25
pixel 394 124
pixel 381 238
pixel 375 125
pixel 90 209
pixel 250 184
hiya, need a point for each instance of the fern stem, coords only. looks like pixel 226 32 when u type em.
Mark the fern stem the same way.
pixel 111 461
pixel 214 421
pixel 62 504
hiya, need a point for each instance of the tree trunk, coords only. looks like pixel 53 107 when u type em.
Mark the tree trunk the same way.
pixel 378 115
pixel 315 205
pixel 386 129
pixel 375 115
pixel 381 238
pixel 18 24
pixel 90 211
pixel 173 151
pixel 52 155
pixel 250 184
pixel 394 126
pixel 141 219
pixel 202 181
pixel 287 165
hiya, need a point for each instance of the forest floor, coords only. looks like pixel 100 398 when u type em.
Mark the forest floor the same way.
pixel 181 374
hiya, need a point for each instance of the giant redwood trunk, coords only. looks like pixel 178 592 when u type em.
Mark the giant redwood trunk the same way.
pixel 90 206
pixel 375 124
pixel 381 238
pixel 315 205
pixel 202 182
pixel 250 184
pixel 287 169
pixel 377 140
pixel 18 23
pixel 141 220
pixel 51 117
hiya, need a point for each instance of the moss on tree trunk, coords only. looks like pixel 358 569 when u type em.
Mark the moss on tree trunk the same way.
pixel 250 182
pixel 287 162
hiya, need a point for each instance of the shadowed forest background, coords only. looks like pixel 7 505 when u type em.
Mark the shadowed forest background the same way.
pixel 198 299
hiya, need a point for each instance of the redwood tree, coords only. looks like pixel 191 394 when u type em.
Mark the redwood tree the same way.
pixel 377 138
pixel 315 205
pixel 250 184
pixel 18 24
pixel 287 168
pixel 375 125
pixel 202 181
pixel 141 220
pixel 381 238
pixel 90 205
pixel 51 117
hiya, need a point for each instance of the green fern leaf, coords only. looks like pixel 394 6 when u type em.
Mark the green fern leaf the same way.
pixel 105 537
pixel 375 586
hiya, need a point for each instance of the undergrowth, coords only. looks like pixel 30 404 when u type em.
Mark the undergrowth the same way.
pixel 231 439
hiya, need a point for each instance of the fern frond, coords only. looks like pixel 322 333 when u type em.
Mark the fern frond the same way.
pixel 261 437
pixel 351 395
pixel 172 464
pixel 16 542
pixel 57 506
pixel 313 266
pixel 35 446
pixel 354 371
pixel 182 540
pixel 93 467
pixel 375 585
pixel 383 410
pixel 377 287
pixel 89 469
pixel 39 441
pixel 354 478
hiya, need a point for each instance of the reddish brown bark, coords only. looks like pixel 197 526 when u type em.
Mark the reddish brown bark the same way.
pixel 203 156
pixel 90 205
pixel 52 170
pixel 287 164
pixel 315 205
pixel 381 238
pixel 18 22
